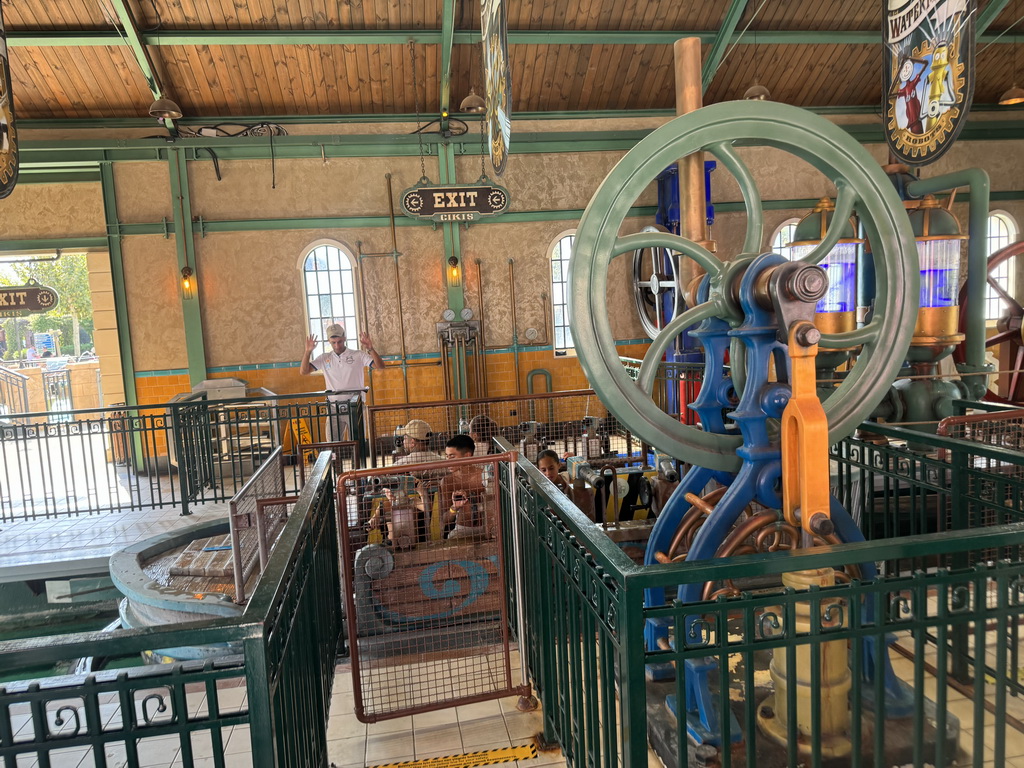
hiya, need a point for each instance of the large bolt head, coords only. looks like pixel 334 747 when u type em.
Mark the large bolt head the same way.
pixel 809 283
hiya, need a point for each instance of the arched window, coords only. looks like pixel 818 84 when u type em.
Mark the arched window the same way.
pixel 1002 230
pixel 560 251
pixel 329 283
pixel 783 237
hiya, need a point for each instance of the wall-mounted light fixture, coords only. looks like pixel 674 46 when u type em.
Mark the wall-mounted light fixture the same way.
pixel 454 272
pixel 188 283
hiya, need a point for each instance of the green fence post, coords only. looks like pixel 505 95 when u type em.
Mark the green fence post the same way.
pixel 632 683
pixel 261 713
pixel 959 521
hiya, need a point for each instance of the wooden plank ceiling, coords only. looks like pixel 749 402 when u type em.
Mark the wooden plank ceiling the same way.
pixel 97 81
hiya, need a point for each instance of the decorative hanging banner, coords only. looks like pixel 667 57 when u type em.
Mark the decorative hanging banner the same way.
pixel 455 202
pixel 29 299
pixel 8 134
pixel 498 80
pixel 928 75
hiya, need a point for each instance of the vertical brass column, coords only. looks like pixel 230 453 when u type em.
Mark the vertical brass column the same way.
pixel 692 215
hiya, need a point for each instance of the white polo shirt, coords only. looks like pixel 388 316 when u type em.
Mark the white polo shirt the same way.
pixel 343 372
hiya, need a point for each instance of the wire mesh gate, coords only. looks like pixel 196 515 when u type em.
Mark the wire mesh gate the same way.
pixel 423 575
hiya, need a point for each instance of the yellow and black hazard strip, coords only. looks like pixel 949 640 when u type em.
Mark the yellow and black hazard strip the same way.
pixel 470 759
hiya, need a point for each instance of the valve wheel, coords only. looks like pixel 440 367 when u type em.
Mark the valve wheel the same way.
pixel 1009 329
pixel 719 129
pixel 650 283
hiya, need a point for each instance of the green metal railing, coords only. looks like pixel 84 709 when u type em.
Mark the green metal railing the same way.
pixel 289 633
pixel 92 461
pixel 935 601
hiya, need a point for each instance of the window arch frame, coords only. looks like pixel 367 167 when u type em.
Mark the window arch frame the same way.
pixel 1002 275
pixel 784 250
pixel 351 320
pixel 554 250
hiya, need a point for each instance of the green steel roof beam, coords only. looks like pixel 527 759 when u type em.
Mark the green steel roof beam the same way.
pixel 986 17
pixel 142 57
pixel 721 43
pixel 447 39
pixel 199 37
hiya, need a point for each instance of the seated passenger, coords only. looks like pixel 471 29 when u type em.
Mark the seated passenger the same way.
pixel 465 487
pixel 415 436
pixel 549 465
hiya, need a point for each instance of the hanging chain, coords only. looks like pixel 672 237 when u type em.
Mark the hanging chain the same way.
pixel 416 91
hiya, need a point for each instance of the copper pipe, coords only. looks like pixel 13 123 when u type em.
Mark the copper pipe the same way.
pixel 515 332
pixel 695 514
pixel 481 344
pixel 546 301
pixel 689 98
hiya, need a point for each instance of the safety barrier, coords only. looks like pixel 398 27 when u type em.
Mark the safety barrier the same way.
pixel 13 392
pixel 574 421
pixel 92 461
pixel 934 601
pixel 280 686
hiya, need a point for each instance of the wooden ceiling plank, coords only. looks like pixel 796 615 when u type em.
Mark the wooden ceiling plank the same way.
pixel 557 76
pixel 348 81
pixel 532 75
pixel 591 77
pixel 332 63
pixel 93 91
pixel 638 66
pixel 42 84
pixel 132 82
pixel 228 88
pixel 51 70
pixel 361 73
pixel 248 62
pixel 618 76
pixel 432 81
pixel 612 61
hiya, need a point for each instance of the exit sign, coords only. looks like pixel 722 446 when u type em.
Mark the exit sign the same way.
pixel 31 299
pixel 453 202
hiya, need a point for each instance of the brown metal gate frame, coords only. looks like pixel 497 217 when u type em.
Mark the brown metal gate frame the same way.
pixel 409 664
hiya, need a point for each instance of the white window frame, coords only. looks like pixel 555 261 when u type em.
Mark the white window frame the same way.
pixel 1008 232
pixel 776 242
pixel 559 250
pixel 345 299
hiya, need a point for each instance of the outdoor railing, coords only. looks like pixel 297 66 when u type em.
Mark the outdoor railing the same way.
pixel 279 686
pixel 180 454
pixel 13 392
pixel 585 617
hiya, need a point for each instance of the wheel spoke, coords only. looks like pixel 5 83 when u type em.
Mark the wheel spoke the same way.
pixel 649 366
pixel 698 253
pixel 751 196
pixel 1015 307
pixel 863 335
pixel 999 338
pixel 1013 391
pixel 845 201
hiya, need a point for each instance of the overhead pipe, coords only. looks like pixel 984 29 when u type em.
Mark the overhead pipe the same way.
pixel 515 331
pixel 529 390
pixel 481 343
pixel 977 181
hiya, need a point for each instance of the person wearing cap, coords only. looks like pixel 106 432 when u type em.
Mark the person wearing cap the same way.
pixel 415 440
pixel 344 369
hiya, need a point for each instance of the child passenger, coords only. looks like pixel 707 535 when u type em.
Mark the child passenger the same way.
pixel 549 465
pixel 465 487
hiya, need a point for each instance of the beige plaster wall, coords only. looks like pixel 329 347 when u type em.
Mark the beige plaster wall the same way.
pixel 143 191
pixel 154 303
pixel 52 210
pixel 304 187
pixel 253 303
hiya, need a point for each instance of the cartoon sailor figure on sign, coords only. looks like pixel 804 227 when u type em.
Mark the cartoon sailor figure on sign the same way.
pixel 928 71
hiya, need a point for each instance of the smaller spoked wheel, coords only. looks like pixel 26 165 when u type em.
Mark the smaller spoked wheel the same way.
pixel 656 286
pixel 1006 344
